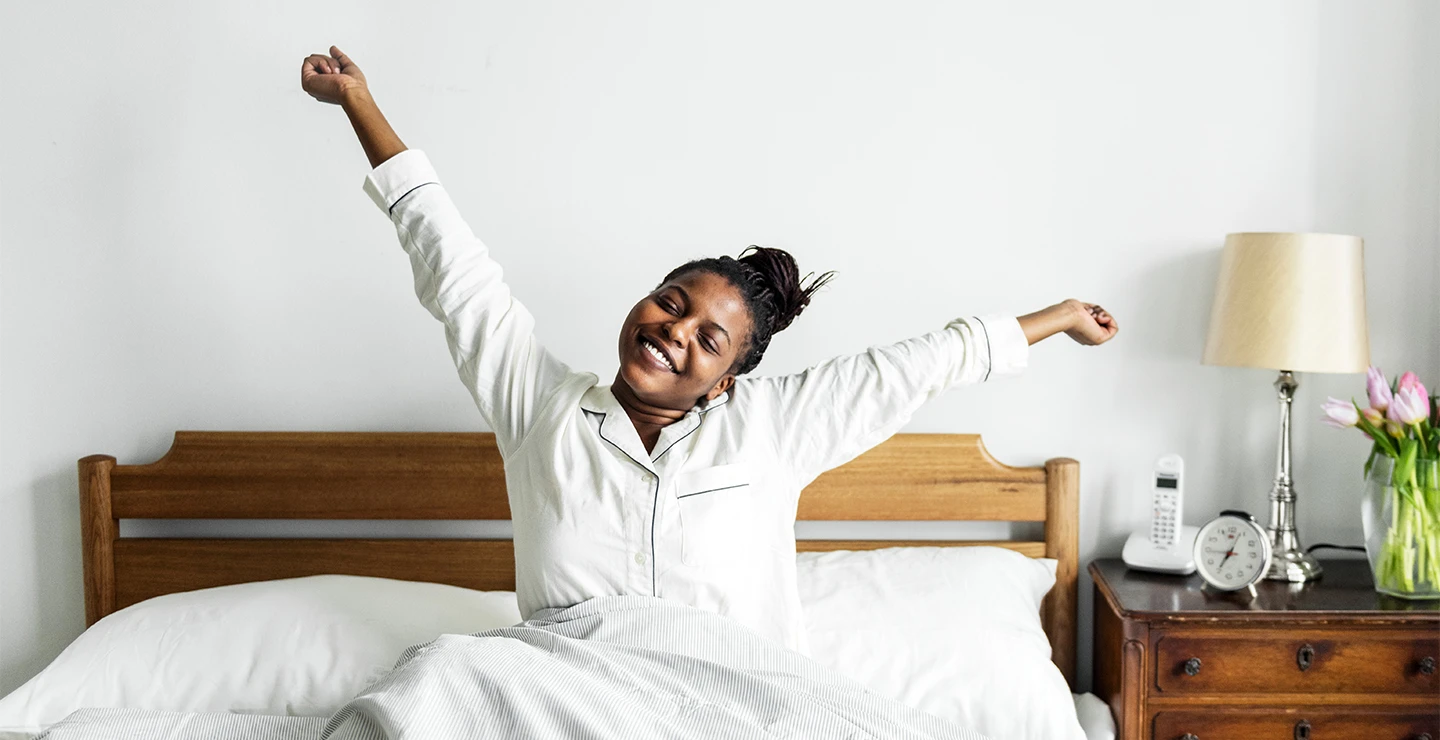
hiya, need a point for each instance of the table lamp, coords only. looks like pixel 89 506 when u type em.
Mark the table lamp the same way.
pixel 1292 303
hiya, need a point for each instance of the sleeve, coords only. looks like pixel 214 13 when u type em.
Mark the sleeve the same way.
pixel 827 415
pixel 491 335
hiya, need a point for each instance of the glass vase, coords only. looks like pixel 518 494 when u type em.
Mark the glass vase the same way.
pixel 1402 529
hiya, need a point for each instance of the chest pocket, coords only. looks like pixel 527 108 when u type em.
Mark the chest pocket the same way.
pixel 716 512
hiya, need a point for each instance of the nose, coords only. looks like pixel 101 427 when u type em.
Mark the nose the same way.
pixel 681 331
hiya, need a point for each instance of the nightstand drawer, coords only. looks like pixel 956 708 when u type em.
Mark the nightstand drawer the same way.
pixel 1330 723
pixel 1297 661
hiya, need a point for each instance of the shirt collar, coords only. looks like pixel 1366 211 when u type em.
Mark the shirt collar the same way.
pixel 600 399
pixel 615 426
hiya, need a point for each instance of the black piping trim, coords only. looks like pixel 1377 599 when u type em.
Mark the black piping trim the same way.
pixel 655 496
pixel 654 509
pixel 654 501
pixel 692 431
pixel 712 490
pixel 407 192
pixel 989 354
pixel 678 441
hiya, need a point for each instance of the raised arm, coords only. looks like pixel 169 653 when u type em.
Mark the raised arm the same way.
pixel 490 334
pixel 337 80
pixel 827 415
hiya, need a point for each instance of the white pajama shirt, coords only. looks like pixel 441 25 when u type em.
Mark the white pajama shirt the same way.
pixel 706 518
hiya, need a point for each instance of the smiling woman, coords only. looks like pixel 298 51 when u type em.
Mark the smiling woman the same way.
pixel 681 479
pixel 708 321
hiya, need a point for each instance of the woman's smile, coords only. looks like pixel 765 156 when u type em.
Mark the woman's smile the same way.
pixel 676 345
pixel 656 357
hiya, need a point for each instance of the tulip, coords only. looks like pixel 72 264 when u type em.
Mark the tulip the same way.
pixel 1374 417
pixel 1378 389
pixel 1411 380
pixel 1410 404
pixel 1340 414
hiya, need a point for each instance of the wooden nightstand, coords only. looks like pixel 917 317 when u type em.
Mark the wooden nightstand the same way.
pixel 1328 660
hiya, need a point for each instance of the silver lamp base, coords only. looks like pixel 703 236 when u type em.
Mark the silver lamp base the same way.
pixel 1287 561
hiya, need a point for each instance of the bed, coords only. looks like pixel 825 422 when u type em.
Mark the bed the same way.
pixel 459 476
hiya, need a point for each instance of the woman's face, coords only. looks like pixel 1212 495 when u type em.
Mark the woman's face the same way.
pixel 699 323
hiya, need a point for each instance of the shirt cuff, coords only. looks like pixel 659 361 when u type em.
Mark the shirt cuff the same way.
pixel 397 176
pixel 1007 349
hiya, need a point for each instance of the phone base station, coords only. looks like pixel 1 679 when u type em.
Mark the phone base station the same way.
pixel 1141 554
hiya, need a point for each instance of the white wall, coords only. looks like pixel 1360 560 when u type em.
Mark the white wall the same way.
pixel 186 244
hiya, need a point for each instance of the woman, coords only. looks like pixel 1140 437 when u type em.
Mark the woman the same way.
pixel 680 479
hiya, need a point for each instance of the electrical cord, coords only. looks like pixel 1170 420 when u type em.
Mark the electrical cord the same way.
pixel 1329 546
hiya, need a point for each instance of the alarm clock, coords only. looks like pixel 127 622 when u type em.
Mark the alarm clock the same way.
pixel 1232 551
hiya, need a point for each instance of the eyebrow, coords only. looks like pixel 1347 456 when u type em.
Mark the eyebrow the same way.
pixel 718 327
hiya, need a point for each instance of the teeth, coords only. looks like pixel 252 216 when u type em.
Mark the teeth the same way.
pixel 658 354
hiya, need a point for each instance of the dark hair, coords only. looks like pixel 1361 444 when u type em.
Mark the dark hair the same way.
pixel 771 284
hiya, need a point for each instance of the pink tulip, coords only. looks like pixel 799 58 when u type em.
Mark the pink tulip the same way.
pixel 1411 379
pixel 1374 417
pixel 1339 414
pixel 1378 389
pixel 1410 404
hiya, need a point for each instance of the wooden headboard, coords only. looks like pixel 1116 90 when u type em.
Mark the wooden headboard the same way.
pixel 459 475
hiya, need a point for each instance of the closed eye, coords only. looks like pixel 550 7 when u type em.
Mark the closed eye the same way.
pixel 705 341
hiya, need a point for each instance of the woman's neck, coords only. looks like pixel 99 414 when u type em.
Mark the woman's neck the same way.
pixel 648 419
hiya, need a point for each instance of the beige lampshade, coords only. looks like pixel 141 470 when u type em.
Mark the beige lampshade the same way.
pixel 1290 302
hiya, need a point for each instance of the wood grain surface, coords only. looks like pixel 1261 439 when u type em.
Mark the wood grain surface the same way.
pixel 1332 654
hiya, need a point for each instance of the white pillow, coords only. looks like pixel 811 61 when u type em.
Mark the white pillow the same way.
pixel 299 646
pixel 953 631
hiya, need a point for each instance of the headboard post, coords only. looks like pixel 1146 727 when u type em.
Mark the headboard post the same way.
pixel 1062 542
pixel 98 531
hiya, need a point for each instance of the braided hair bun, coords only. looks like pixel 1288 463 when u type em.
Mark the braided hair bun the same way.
pixel 774 292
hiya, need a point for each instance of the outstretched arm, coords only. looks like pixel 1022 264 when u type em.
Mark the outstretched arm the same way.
pixel 826 415
pixel 337 80
pixel 491 335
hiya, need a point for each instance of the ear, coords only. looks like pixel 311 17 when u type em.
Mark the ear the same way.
pixel 724 385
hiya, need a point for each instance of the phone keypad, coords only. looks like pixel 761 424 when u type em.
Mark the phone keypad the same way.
pixel 1163 525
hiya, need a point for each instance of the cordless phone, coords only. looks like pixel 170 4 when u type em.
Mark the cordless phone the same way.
pixel 1167 501
pixel 1168 546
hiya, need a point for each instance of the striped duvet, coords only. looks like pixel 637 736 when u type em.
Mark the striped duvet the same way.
pixel 629 667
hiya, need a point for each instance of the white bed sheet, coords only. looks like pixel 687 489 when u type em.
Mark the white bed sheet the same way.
pixel 1094 715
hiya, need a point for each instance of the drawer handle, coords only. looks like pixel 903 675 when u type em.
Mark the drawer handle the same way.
pixel 1302 730
pixel 1192 666
pixel 1427 665
pixel 1423 736
pixel 1304 657
pixel 1193 736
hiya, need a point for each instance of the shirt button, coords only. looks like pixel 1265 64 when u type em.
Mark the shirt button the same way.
pixel 639 558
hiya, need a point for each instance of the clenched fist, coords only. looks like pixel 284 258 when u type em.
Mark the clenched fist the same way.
pixel 327 78
pixel 1093 324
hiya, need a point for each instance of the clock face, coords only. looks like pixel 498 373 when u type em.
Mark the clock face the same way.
pixel 1232 552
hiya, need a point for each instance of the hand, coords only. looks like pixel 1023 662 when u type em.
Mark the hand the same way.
pixel 1092 324
pixel 329 78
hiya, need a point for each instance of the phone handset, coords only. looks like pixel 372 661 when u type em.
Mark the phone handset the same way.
pixel 1167 502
